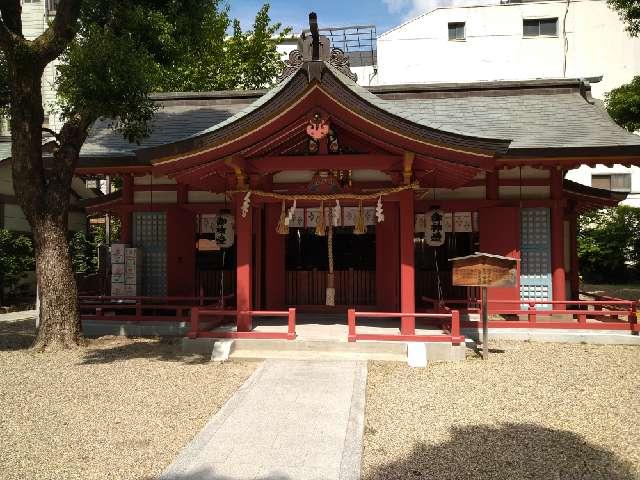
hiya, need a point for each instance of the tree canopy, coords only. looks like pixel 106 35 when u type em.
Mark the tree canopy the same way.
pixel 609 244
pixel 629 11
pixel 126 50
pixel 623 104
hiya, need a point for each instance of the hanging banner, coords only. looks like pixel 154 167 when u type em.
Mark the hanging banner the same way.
pixel 421 223
pixel 298 219
pixel 311 217
pixel 462 222
pixel 435 228
pixel 349 216
pixel 221 226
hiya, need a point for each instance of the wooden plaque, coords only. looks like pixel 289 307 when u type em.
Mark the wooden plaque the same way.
pixel 484 270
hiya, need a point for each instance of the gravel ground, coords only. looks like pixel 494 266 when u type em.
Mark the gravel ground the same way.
pixel 118 409
pixel 533 411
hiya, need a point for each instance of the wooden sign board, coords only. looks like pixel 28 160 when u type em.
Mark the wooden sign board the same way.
pixel 484 270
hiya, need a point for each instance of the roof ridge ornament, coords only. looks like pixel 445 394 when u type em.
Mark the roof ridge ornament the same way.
pixel 313 47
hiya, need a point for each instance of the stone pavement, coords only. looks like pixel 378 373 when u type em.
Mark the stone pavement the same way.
pixel 290 420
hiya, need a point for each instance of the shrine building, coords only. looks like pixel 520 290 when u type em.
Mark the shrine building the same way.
pixel 322 195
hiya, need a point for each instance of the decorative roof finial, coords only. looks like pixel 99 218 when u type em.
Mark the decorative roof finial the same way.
pixel 315 36
pixel 313 48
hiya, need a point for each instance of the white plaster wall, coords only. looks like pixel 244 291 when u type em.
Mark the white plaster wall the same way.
pixel 584 173
pixel 419 51
pixel 155 197
pixel 34 23
pixel 150 180
pixel 205 197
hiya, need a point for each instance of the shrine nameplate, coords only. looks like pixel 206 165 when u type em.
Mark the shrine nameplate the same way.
pixel 484 270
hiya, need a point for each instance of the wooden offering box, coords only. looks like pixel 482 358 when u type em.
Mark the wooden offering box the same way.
pixel 484 270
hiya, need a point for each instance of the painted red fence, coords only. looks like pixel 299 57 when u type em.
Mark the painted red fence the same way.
pixel 141 309
pixel 588 315
pixel 204 320
pixel 450 321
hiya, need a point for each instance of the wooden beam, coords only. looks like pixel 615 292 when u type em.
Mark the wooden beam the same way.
pixel 328 162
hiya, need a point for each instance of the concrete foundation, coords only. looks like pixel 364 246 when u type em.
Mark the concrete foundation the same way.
pixel 97 328
pixel 246 349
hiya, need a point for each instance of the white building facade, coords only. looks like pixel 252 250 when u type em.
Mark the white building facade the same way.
pixel 517 41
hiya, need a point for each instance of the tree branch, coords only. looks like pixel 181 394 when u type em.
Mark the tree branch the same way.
pixel 52 133
pixel 54 40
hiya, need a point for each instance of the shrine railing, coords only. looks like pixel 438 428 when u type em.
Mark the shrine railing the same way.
pixel 449 321
pixel 564 314
pixel 141 309
pixel 204 320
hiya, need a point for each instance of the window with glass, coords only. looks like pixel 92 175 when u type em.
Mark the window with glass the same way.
pixel 540 27
pixel 456 31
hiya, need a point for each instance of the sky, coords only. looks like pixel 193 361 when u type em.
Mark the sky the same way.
pixel 384 14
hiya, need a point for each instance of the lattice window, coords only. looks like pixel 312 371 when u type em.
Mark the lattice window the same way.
pixel 150 234
pixel 535 265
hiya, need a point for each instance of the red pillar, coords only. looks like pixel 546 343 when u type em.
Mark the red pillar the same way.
pixel 407 270
pixel 557 237
pixel 492 187
pixel 387 259
pixel 125 216
pixel 274 259
pixel 575 266
pixel 243 264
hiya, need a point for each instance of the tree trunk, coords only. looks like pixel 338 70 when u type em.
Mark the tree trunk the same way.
pixel 43 193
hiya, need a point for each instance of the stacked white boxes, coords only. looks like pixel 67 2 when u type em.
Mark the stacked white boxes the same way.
pixel 125 270
pixel 117 270
pixel 132 271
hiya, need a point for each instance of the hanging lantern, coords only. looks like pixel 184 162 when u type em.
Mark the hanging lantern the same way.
pixel 360 226
pixel 283 227
pixel 320 224
pixel 434 232
pixel 224 230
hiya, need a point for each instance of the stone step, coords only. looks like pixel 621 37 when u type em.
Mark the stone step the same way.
pixel 250 349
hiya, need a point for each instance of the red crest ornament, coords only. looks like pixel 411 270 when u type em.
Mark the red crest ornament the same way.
pixel 318 128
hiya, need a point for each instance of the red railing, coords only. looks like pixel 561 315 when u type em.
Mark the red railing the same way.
pixel 201 328
pixel 579 314
pixel 452 320
pixel 140 309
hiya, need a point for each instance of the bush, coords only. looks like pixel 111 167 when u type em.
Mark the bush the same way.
pixel 609 245
pixel 16 258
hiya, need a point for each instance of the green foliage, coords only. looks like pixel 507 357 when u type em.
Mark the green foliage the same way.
pixel 16 258
pixel 127 49
pixel 629 11
pixel 609 245
pixel 108 76
pixel 623 104
pixel 82 250
pixel 245 60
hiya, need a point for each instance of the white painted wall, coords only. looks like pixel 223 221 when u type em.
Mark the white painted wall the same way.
pixel 593 43
pixel 35 20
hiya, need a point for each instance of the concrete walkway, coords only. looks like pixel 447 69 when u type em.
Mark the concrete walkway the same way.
pixel 290 420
